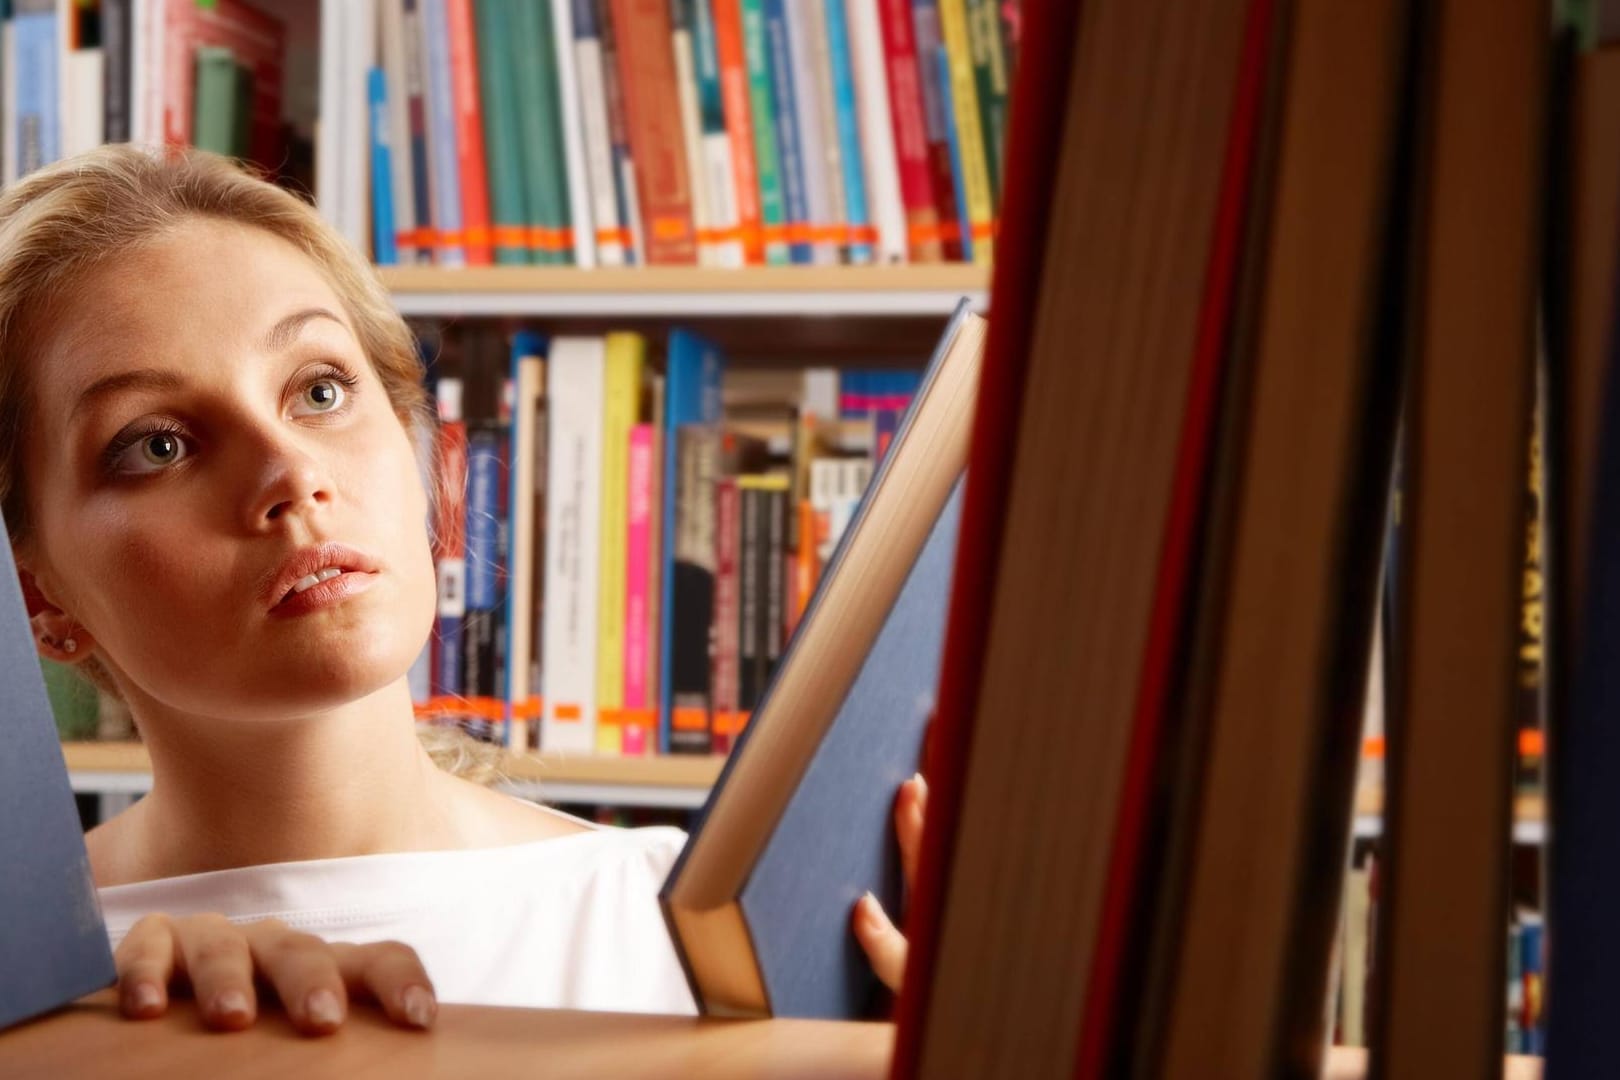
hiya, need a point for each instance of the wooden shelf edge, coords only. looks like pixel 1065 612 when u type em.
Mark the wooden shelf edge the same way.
pixel 665 279
pixel 673 770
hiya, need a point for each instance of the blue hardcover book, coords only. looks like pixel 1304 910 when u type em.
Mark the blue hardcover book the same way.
pixel 691 396
pixel 53 947
pixel 799 824
pixel 849 133
pixel 38 83
pixel 445 184
pixel 383 244
pixel 786 120
pixel 480 672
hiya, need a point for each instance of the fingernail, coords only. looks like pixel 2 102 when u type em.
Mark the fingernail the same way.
pixel 145 997
pixel 420 1007
pixel 872 912
pixel 231 1005
pixel 323 1009
pixel 922 785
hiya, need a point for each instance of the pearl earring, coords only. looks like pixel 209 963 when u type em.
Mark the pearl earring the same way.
pixel 70 645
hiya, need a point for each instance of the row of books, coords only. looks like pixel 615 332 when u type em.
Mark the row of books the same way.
pixel 621 556
pixel 710 132
pixel 78 73
pixel 1356 950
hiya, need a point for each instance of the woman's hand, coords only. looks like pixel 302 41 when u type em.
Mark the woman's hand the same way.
pixel 885 945
pixel 313 979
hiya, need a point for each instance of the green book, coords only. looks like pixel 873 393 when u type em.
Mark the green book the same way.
pixel 990 76
pixel 214 100
pixel 762 104
pixel 545 164
pixel 497 89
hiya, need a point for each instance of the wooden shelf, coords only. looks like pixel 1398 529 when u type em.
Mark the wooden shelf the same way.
pixel 673 780
pixel 567 292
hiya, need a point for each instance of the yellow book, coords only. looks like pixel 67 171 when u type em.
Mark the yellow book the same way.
pixel 953 25
pixel 626 356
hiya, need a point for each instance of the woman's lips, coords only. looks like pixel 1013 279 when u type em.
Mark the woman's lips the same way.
pixel 325 594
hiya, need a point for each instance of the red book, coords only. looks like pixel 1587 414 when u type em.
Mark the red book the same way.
pixel 257 40
pixel 725 683
pixel 911 132
pixel 728 47
pixel 653 116
pixel 469 116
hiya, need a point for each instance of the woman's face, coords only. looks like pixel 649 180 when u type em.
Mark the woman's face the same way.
pixel 201 414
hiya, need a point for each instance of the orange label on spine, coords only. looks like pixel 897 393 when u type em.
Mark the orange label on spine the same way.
pixel 689 719
pixel 569 714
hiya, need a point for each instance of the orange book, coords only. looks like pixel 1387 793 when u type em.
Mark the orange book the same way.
pixel 728 47
pixel 657 140
pixel 469 116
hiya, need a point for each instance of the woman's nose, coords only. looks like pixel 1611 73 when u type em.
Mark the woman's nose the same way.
pixel 290 481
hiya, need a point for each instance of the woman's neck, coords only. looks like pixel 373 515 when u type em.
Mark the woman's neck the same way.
pixel 225 794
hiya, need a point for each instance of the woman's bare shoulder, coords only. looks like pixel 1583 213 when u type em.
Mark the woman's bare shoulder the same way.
pixel 498 819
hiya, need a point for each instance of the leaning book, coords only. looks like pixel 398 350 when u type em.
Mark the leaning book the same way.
pixel 799 824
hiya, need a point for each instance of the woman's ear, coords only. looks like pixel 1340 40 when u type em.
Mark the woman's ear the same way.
pixel 56 635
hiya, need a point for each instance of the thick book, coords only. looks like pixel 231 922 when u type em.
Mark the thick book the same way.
pixel 663 188
pixel 799 824
pixel 54 947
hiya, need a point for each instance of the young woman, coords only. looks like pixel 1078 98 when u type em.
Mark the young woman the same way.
pixel 208 415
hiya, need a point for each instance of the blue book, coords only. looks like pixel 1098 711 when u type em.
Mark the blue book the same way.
pixel 849 131
pixel 416 113
pixel 942 68
pixel 38 83
pixel 445 184
pixel 384 249
pixel 799 825
pixel 53 948
pixel 480 674
pixel 691 396
pixel 795 197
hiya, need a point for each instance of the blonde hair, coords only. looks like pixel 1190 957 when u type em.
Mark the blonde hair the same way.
pixel 61 223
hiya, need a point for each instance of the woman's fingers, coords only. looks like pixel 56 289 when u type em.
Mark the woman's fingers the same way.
pixel 213 954
pixel 145 963
pixel 391 974
pixel 885 946
pixel 910 807
pixel 304 971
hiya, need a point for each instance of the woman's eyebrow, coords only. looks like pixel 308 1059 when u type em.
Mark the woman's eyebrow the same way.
pixel 286 329
pixel 135 379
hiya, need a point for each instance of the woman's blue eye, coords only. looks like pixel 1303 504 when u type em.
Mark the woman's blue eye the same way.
pixel 143 452
pixel 324 395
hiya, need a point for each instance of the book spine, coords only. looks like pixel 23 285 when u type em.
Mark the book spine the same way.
pixel 937 124
pixel 468 119
pixel 574 85
pixel 384 249
pixel 402 197
pixel 653 118
pixel 814 17
pixel 692 583
pixel 650 736
pixel 807 113
pixel 483 562
pixel 727 658
pixel 497 27
pixel 750 649
pixel 682 19
pixel 550 239
pixel 527 374
pixel 37 98
pixel 903 55
pixel 795 201
pixel 213 98
pixel 968 132
pixel 450 241
pixel 887 208
pixel 424 240
pixel 762 104
pixel 610 239
pixel 859 234
pixel 624 163
pixel 990 79
pixel 573 523
pixel 621 401
pixel 116 27
pixel 775 613
pixel 965 237
pixel 638 584
pixel 724 172
pixel 450 562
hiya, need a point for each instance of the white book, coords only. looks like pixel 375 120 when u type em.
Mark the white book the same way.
pixel 574 81
pixel 83 120
pixel 520 629
pixel 808 107
pixel 329 184
pixel 360 43
pixel 814 19
pixel 575 373
pixel 692 141
pixel 8 125
pixel 395 77
pixel 882 170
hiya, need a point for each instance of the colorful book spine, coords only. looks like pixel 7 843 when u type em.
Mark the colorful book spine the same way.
pixel 37 86
pixel 450 245
pixel 722 172
pixel 682 18
pixel 468 119
pixel 624 163
pixel 625 360
pixel 417 138
pixel 692 398
pixel 909 123
pixel 887 208
pixel 767 153
pixel 858 232
pixel 990 80
pixel 968 131
pixel 967 236
pixel 497 93
pixel 653 118
pixel 527 374
pixel 937 122
pixel 450 540
pixel 786 119
pixel 574 109
pixel 596 177
pixel 384 249
pixel 810 107
pixel 402 197
pixel 480 678
pixel 575 372
pixel 638 587
pixel 116 28
pixel 550 236
pixel 726 678
pixel 692 582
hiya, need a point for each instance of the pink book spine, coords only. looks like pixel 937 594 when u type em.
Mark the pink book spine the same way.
pixel 638 570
